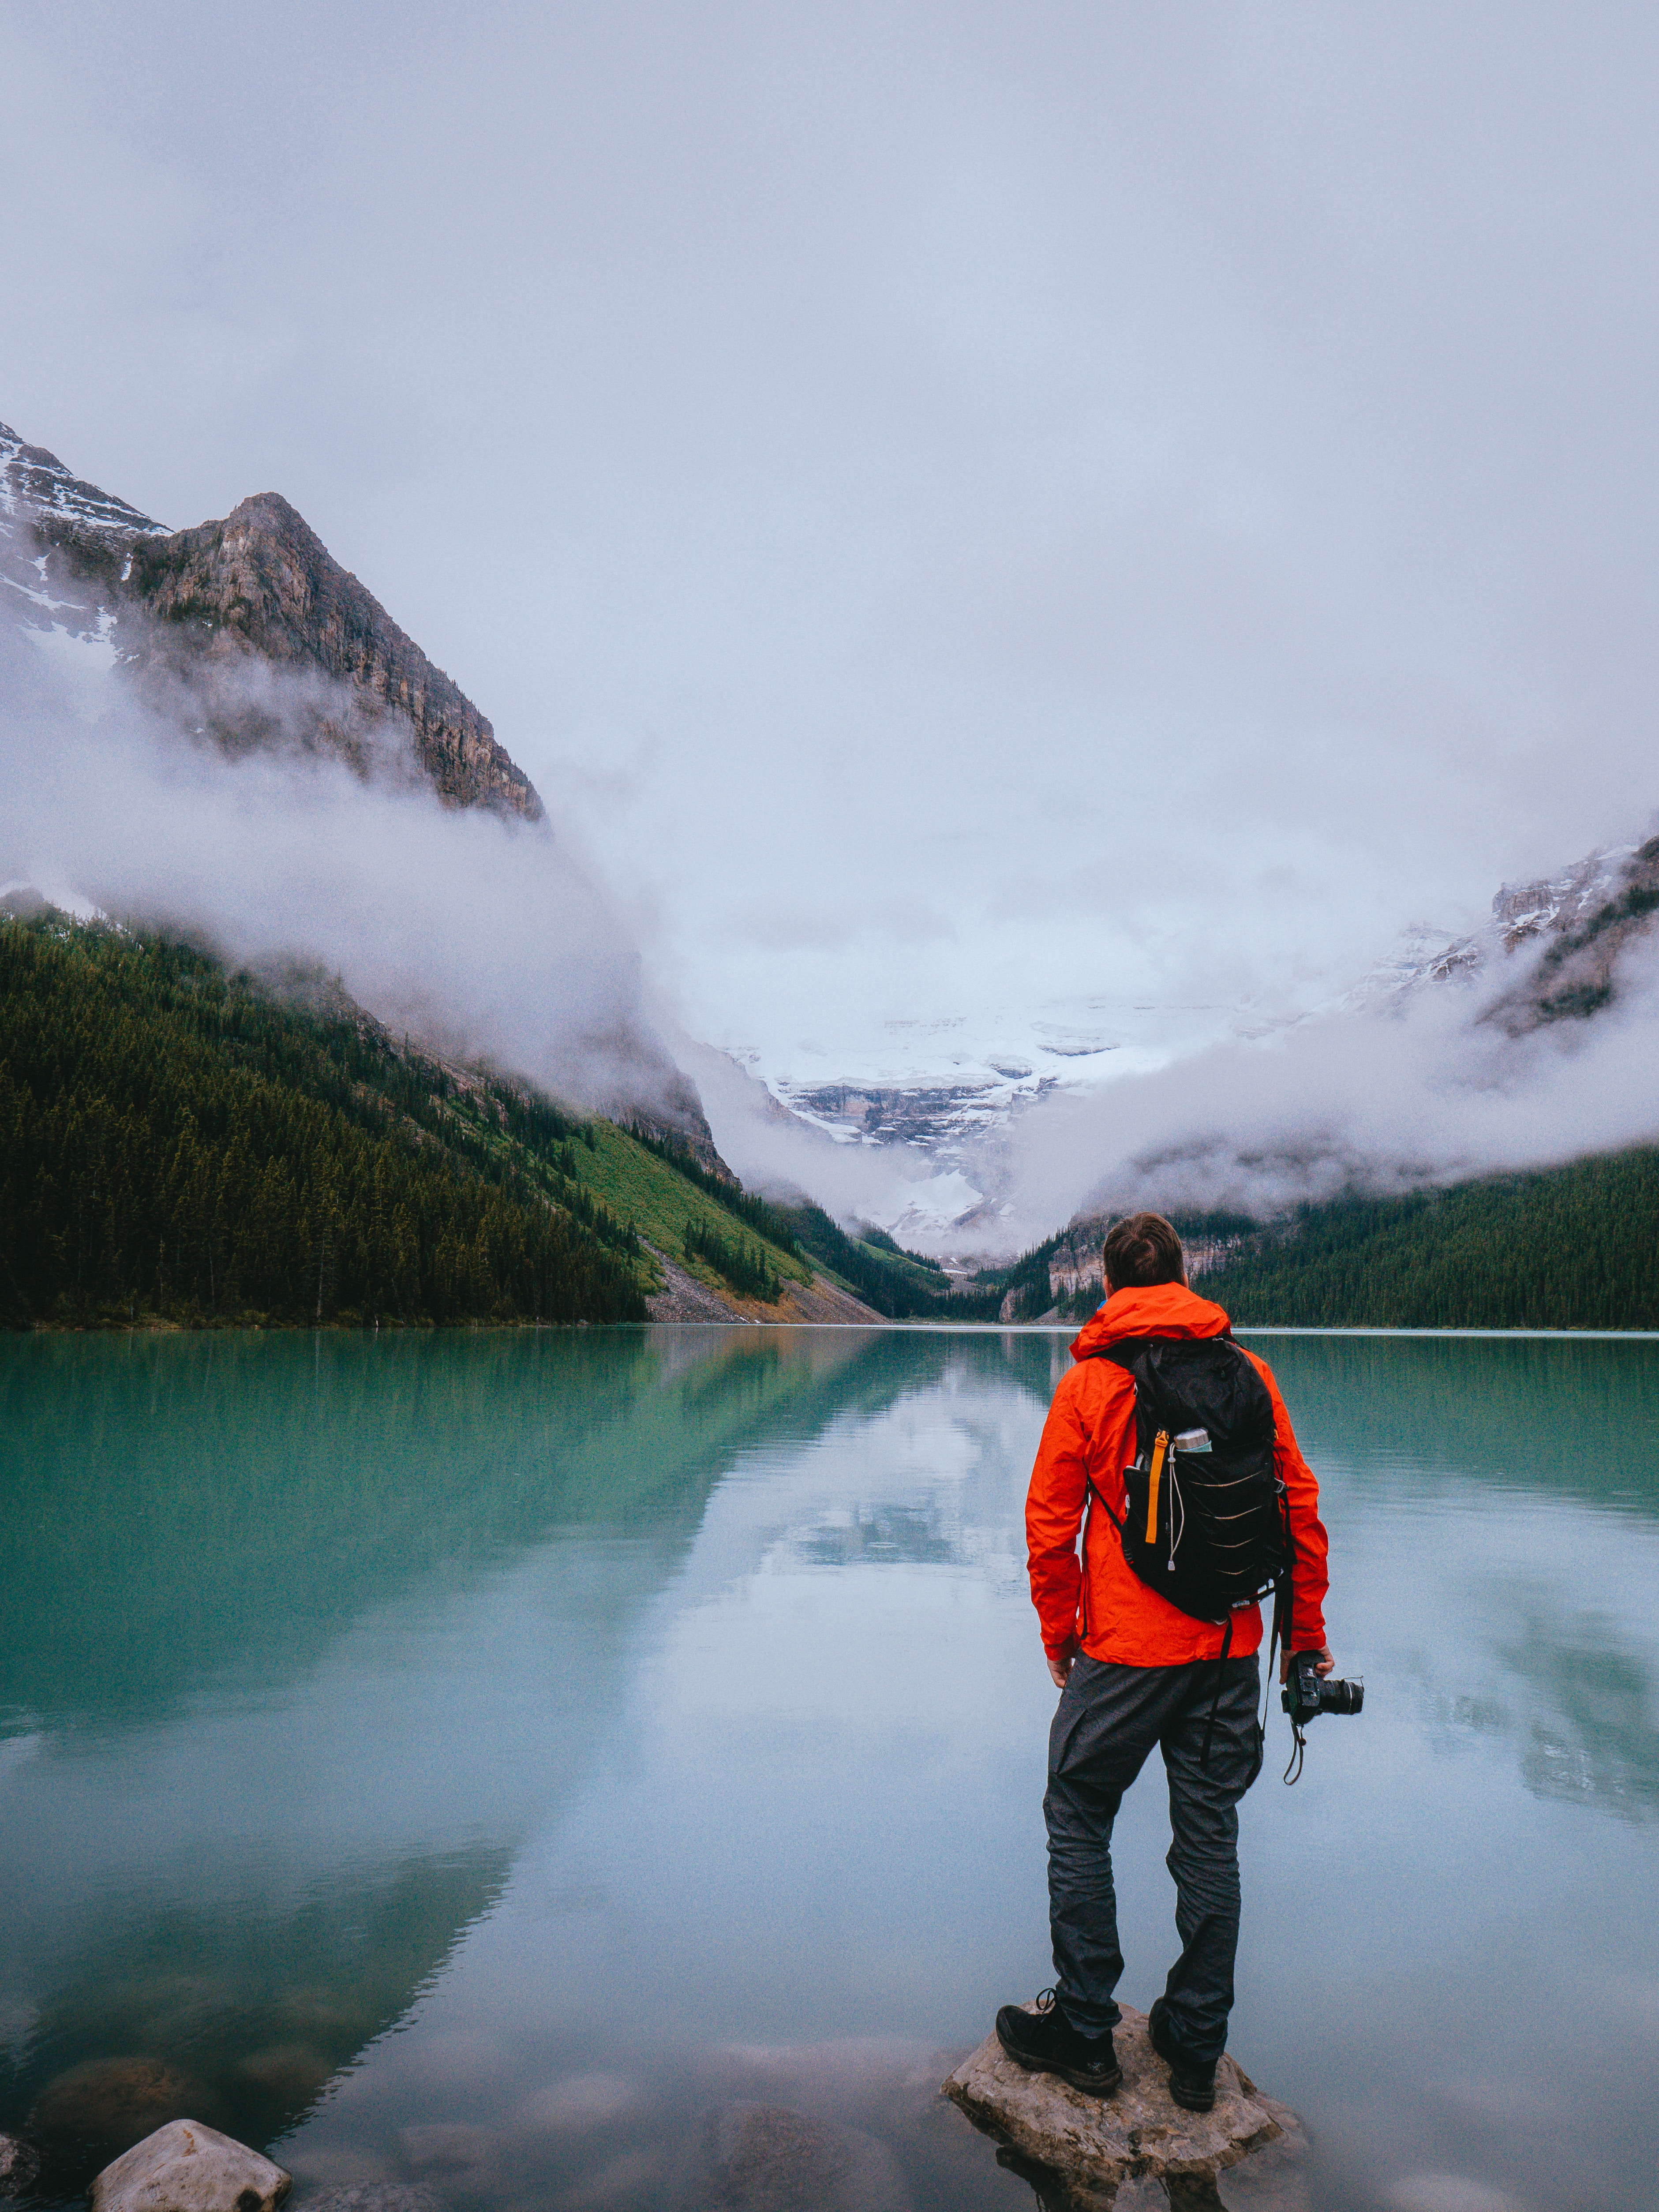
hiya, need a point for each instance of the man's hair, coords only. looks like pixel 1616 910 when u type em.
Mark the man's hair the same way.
pixel 1141 1250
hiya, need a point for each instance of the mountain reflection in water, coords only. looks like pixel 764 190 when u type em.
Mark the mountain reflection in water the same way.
pixel 501 1762
pixel 304 1635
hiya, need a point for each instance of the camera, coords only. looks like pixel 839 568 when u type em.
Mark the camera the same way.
pixel 1307 1694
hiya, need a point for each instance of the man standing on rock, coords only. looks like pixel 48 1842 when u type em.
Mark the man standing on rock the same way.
pixel 1135 1670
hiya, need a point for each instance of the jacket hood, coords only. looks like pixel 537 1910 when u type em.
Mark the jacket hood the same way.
pixel 1161 1310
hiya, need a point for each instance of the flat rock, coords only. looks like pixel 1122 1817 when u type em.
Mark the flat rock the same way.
pixel 1092 2145
pixel 769 2158
pixel 186 2168
pixel 19 2164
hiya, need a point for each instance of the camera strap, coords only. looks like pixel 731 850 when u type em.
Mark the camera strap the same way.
pixel 1281 1636
pixel 1293 1773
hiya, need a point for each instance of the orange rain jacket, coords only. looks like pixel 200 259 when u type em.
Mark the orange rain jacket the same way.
pixel 1089 1437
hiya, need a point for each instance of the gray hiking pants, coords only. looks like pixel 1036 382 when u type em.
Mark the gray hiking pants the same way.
pixel 1107 1721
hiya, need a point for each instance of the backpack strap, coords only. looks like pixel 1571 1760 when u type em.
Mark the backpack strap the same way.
pixel 1096 1493
pixel 1122 1354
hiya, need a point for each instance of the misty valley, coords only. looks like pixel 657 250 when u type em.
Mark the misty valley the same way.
pixel 520 1691
pixel 350 1036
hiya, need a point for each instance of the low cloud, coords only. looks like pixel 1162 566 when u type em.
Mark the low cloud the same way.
pixel 781 927
pixel 483 935
pixel 777 1151
pixel 491 938
pixel 1418 1091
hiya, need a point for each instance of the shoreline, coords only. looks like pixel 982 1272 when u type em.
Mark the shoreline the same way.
pixel 160 1328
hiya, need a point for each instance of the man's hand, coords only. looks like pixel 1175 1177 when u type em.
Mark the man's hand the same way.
pixel 1324 1664
pixel 1060 1668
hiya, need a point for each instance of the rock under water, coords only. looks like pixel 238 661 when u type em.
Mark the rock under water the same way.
pixel 769 2158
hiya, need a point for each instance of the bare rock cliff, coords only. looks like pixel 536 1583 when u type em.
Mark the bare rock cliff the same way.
pixel 1576 974
pixel 246 631
pixel 262 583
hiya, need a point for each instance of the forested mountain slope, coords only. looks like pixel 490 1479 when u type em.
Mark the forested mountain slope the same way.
pixel 1573 1247
pixel 184 1145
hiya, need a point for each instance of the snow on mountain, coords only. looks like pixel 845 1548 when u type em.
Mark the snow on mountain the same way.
pixel 944 1098
pixel 63 546
pixel 950 1102
pixel 1522 914
pixel 33 482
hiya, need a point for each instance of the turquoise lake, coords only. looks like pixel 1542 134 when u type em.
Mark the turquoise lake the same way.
pixel 483 1761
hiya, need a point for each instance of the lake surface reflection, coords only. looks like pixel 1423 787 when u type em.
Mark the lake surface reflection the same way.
pixel 501 1763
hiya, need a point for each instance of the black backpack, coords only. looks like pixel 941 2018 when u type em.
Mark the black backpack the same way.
pixel 1206 1525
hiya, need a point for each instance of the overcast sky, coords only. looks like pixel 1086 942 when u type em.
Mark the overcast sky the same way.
pixel 976 513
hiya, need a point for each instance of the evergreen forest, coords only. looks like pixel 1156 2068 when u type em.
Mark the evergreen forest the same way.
pixel 735 1260
pixel 176 1144
pixel 1573 1247
pixel 179 1145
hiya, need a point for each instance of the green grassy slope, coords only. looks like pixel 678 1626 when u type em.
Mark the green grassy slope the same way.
pixel 1575 1247
pixel 640 1183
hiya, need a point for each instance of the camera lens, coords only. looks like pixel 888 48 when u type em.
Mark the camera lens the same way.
pixel 1340 1696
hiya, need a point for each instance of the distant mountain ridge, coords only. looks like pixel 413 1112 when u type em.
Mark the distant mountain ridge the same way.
pixel 247 630
pixel 1552 946
pixel 1576 923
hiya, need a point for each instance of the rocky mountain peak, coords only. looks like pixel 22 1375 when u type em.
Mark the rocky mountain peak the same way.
pixel 1557 903
pixel 262 584
pixel 1571 926
pixel 34 483
pixel 247 630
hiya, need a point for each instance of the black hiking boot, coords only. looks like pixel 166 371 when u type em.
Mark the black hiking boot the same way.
pixel 1045 2042
pixel 1192 2080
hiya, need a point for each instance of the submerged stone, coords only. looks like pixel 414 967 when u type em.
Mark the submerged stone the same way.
pixel 1088 2148
pixel 769 2158
pixel 579 2103
pixel 110 2100
pixel 372 2197
pixel 449 2146
pixel 293 2071
pixel 186 2168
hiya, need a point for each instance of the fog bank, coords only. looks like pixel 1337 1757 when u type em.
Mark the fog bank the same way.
pixel 1420 1090
pixel 482 936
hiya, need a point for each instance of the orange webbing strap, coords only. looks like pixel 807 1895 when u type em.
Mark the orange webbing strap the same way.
pixel 1158 1450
